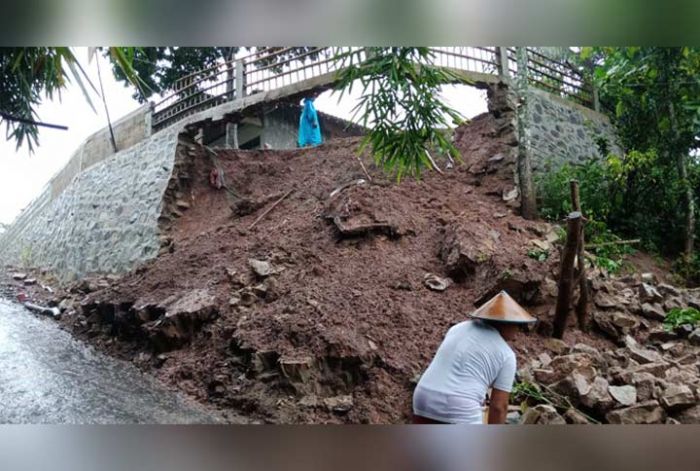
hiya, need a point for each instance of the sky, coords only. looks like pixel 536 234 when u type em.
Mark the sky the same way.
pixel 24 175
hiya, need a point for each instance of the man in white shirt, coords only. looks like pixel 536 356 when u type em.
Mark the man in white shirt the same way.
pixel 473 357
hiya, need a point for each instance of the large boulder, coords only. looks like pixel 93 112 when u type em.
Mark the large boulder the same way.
pixel 649 412
pixel 543 414
pixel 465 247
pixel 184 316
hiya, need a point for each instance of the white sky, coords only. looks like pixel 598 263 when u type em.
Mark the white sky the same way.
pixel 23 175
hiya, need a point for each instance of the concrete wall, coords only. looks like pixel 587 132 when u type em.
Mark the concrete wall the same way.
pixel 562 131
pixel 105 219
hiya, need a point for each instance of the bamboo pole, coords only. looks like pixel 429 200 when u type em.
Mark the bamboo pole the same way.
pixel 566 274
pixel 582 305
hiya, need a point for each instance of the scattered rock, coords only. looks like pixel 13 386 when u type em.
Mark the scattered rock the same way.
pixel 556 346
pixel 690 415
pixel 694 337
pixel 624 395
pixel 261 268
pixel 648 277
pixel 573 416
pixel 339 404
pixel 616 324
pixel 668 290
pixel 660 335
pixel 19 276
pixel 542 414
pixel 649 294
pixel 310 401
pixel 640 354
pixel 436 283
pixel 29 281
pixel 565 364
pixel 649 412
pixel 598 398
pixel 297 370
pixel 65 304
pixel 644 385
pixel 677 397
pixel 606 301
pixel 653 312
pixel 513 417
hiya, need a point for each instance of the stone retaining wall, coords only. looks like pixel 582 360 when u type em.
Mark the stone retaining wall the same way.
pixel 562 131
pixel 104 221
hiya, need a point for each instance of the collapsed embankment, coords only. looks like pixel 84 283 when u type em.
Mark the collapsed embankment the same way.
pixel 328 307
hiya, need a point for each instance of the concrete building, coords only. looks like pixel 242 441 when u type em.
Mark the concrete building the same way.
pixel 276 127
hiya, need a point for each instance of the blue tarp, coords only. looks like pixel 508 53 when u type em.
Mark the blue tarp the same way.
pixel 309 129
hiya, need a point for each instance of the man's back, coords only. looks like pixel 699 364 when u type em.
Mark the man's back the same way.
pixel 472 357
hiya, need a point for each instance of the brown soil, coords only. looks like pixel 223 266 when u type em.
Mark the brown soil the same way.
pixel 353 308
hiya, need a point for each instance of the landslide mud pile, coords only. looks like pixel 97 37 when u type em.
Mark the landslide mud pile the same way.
pixel 329 307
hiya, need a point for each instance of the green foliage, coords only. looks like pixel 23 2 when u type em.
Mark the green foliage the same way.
pixel 526 392
pixel 30 74
pixel 677 317
pixel 651 94
pixel 598 186
pixel 538 254
pixel 402 107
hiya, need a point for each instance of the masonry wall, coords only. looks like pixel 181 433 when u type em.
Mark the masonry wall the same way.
pixel 105 219
pixel 562 131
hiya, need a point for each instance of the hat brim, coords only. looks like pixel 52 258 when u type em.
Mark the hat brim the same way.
pixel 505 321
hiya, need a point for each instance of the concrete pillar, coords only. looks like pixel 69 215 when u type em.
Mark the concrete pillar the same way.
pixel 231 135
pixel 240 79
pixel 528 204
pixel 596 99
pixel 502 58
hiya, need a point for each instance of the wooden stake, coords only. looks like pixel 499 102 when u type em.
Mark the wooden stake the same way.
pixel 566 274
pixel 270 209
pixel 582 305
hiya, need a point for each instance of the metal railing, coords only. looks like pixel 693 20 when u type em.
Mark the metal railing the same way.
pixel 276 67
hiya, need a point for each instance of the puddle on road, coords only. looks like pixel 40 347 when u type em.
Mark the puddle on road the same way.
pixel 47 376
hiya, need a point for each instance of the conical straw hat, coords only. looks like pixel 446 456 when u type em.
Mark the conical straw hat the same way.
pixel 503 308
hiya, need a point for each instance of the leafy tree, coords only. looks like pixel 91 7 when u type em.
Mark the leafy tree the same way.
pixel 401 102
pixel 29 74
pixel 653 94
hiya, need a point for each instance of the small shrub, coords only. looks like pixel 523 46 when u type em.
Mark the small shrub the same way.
pixel 677 317
pixel 538 254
